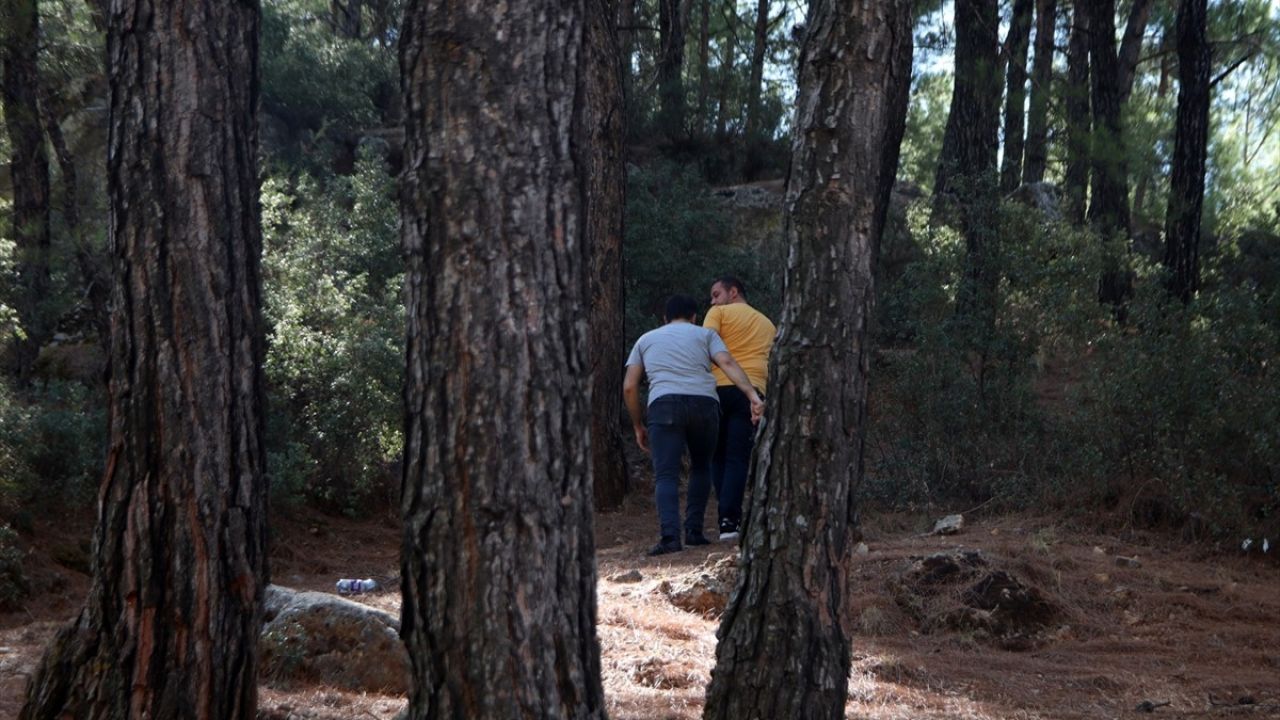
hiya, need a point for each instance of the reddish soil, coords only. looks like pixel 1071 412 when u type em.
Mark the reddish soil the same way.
pixel 1188 626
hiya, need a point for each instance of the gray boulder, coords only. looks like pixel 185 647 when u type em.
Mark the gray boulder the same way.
pixel 322 638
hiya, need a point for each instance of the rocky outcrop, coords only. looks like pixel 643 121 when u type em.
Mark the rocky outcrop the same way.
pixel 323 638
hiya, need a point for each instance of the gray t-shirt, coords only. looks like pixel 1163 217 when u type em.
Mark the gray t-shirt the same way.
pixel 677 359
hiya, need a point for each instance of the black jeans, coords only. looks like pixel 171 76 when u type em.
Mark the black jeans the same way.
pixel 732 460
pixel 676 422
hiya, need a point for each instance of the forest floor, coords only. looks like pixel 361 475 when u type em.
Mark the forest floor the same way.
pixel 1132 617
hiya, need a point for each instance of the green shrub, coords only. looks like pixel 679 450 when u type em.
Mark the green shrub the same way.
pixel 679 238
pixel 13 582
pixel 52 446
pixel 332 279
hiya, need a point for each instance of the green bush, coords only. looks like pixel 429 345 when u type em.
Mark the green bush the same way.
pixel 13 582
pixel 679 238
pixel 1058 402
pixel 52 446
pixel 332 279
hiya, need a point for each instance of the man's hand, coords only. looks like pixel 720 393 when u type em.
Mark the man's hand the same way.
pixel 642 438
pixel 757 409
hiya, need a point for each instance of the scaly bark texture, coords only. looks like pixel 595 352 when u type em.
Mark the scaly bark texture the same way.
pixel 1037 150
pixel 1190 148
pixel 170 628
pixel 29 170
pixel 783 652
pixel 603 184
pixel 498 560
pixel 1016 94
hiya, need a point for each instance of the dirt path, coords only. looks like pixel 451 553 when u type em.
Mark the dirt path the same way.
pixel 1181 625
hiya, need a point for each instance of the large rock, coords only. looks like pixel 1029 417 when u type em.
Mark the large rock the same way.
pixel 706 590
pixel 323 638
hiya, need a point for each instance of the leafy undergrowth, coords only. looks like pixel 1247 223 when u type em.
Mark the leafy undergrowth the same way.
pixel 1135 618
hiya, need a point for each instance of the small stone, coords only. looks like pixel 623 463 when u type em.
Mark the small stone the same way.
pixel 1129 562
pixel 315 530
pixel 1098 550
pixel 631 576
pixel 861 549
pixel 1102 578
pixel 949 525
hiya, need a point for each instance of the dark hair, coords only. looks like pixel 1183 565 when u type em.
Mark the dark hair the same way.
pixel 731 282
pixel 681 307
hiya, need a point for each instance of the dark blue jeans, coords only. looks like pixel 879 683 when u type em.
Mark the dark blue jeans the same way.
pixel 677 422
pixel 732 460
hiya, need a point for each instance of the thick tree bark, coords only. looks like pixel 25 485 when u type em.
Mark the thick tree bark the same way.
pixel 671 34
pixel 755 82
pixel 1015 94
pixel 973 124
pixel 1109 179
pixel 170 628
pixel 1037 150
pixel 1186 187
pixel 1078 116
pixel 498 561
pixel 783 651
pixel 29 170
pixel 603 183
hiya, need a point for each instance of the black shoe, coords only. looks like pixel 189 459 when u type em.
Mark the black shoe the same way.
pixel 664 546
pixel 692 539
pixel 728 530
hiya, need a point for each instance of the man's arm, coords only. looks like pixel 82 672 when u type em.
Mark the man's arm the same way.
pixel 734 372
pixel 631 393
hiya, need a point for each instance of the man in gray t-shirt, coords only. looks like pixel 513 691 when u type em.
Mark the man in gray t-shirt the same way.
pixel 683 411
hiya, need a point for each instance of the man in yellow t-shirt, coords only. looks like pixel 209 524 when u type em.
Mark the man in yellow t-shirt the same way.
pixel 749 336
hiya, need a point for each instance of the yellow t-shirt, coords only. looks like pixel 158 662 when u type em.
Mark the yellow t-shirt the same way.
pixel 749 336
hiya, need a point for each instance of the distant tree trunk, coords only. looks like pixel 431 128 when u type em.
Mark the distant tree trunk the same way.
pixel 603 184
pixel 783 650
pixel 671 120
pixel 94 271
pixel 627 41
pixel 1186 187
pixel 725 107
pixel 170 627
pixel 973 124
pixel 704 66
pixel 1079 122
pixel 498 560
pixel 346 17
pixel 755 82
pixel 1016 94
pixel 1037 152
pixel 29 170
pixel 1131 45
pixel 1109 180
pixel 966 180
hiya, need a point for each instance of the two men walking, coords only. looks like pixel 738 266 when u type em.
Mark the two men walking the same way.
pixel 712 416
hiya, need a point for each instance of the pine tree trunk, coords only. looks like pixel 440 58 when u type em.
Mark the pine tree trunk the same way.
pixel 1037 151
pixel 29 170
pixel 724 109
pixel 755 82
pixel 1079 122
pixel 671 33
pixel 704 66
pixel 1131 45
pixel 626 39
pixel 170 627
pixel 1109 179
pixel 973 123
pixel 1186 187
pixel 1016 94
pixel 498 562
pixel 604 199
pixel 783 651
